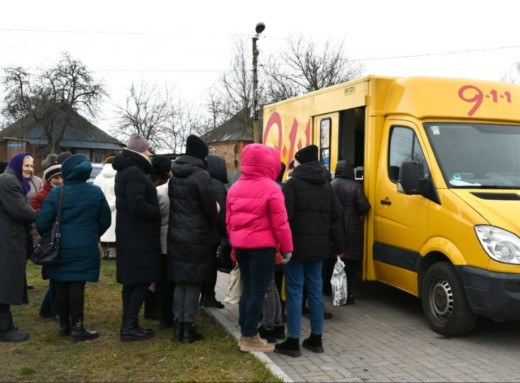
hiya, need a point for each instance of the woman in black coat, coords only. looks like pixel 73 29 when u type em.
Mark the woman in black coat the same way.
pixel 355 205
pixel 138 225
pixel 15 216
pixel 193 214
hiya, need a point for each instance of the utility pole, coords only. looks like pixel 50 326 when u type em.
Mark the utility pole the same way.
pixel 256 130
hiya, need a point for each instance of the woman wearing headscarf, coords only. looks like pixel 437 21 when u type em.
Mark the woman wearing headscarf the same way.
pixel 85 216
pixel 138 230
pixel 15 216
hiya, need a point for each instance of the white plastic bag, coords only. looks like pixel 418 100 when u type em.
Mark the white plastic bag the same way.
pixel 338 283
pixel 235 286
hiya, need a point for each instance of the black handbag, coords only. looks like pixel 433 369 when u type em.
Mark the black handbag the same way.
pixel 223 255
pixel 47 249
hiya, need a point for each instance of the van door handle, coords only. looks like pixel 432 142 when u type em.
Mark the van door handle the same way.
pixel 386 202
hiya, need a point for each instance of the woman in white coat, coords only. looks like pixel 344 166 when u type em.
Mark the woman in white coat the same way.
pixel 106 181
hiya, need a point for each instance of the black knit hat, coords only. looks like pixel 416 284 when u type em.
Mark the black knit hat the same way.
pixel 161 164
pixel 307 154
pixel 196 147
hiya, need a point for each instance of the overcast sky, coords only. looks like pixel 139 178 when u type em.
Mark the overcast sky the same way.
pixel 188 44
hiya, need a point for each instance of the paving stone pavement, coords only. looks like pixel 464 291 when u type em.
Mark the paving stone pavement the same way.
pixel 384 337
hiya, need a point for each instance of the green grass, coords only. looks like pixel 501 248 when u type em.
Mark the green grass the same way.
pixel 45 357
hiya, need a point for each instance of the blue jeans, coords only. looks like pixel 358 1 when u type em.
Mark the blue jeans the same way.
pixel 256 271
pixel 297 273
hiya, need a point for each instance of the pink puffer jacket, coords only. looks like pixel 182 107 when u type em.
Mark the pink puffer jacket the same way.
pixel 255 205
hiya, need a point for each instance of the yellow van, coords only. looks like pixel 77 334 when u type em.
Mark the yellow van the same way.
pixel 439 160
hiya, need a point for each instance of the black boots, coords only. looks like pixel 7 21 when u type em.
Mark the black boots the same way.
pixel 279 332
pixel 9 333
pixel 189 333
pixel 78 332
pixel 269 335
pixel 130 331
pixel 209 300
pixel 64 326
pixel 290 347
pixel 178 329
pixel 313 343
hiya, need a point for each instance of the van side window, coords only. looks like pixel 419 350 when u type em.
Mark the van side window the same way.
pixel 404 146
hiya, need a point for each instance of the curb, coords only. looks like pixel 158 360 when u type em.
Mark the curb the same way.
pixel 233 331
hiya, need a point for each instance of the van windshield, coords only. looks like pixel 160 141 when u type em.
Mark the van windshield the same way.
pixel 477 155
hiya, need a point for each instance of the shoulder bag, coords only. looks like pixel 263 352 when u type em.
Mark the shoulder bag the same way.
pixel 47 249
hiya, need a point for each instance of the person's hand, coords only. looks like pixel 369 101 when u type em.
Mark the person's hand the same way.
pixel 286 257
pixel 341 255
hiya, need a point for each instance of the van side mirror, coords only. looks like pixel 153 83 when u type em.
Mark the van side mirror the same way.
pixel 409 177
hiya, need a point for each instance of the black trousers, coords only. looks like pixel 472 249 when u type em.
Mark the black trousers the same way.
pixel 70 300
pixel 133 298
pixel 208 288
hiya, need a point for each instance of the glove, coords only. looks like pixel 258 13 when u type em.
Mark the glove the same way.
pixel 286 257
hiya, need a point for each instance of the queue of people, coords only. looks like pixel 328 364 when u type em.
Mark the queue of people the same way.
pixel 169 222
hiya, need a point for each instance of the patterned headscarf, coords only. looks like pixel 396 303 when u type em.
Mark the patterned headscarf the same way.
pixel 16 163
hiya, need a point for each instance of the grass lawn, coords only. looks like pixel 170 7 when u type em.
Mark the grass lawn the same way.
pixel 45 357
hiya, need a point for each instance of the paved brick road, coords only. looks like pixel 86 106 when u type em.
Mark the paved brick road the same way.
pixel 384 337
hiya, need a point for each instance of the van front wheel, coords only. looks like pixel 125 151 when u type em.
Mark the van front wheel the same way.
pixel 444 302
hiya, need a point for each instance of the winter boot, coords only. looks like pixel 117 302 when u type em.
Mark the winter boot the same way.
pixel 269 335
pixel 146 330
pixel 254 343
pixel 279 331
pixel 189 333
pixel 210 301
pixel 64 326
pixel 9 333
pixel 313 343
pixel 290 347
pixel 178 328
pixel 78 332
pixel 131 331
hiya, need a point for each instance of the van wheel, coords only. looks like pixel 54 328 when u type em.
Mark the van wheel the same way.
pixel 444 302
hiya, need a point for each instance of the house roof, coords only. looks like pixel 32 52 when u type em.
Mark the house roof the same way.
pixel 233 129
pixel 79 134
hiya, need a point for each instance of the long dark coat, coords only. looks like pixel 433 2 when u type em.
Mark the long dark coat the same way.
pixel 314 211
pixel 193 215
pixel 85 216
pixel 355 204
pixel 138 220
pixel 15 215
pixel 217 171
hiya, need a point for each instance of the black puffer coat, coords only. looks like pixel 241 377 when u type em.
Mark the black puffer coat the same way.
pixel 193 215
pixel 138 220
pixel 313 210
pixel 217 171
pixel 15 215
pixel 355 204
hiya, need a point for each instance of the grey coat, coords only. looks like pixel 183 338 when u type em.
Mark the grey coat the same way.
pixel 15 215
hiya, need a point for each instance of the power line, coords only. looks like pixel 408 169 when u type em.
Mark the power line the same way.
pixel 439 53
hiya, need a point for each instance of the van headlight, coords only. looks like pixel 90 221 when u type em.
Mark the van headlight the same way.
pixel 499 244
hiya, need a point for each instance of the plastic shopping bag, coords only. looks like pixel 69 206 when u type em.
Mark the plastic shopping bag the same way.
pixel 235 286
pixel 338 283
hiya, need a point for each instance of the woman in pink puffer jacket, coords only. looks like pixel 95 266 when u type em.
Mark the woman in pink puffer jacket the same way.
pixel 257 222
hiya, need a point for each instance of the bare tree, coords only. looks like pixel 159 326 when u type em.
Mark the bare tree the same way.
pixel 180 125
pixel 51 96
pixel 304 68
pixel 234 95
pixel 147 111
